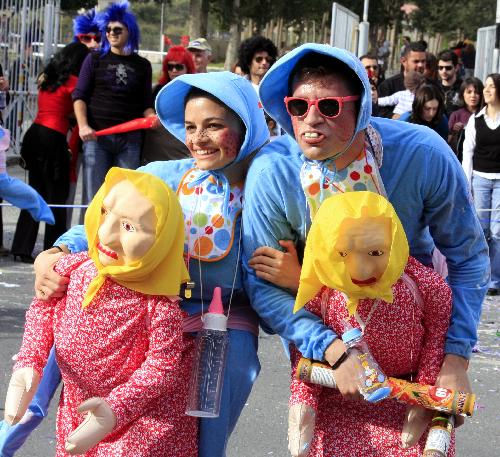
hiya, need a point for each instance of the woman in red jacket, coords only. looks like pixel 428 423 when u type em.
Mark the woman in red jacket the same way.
pixel 45 150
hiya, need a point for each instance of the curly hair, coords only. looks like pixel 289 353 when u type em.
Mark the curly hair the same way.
pixel 85 23
pixel 176 54
pixel 119 12
pixel 251 46
pixel 424 94
pixel 65 63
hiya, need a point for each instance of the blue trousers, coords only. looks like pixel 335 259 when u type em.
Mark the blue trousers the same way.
pixel 242 369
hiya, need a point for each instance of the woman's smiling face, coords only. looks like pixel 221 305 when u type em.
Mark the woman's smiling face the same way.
pixel 214 135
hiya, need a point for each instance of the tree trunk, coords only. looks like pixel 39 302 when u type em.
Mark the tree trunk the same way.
pixel 205 9
pixel 195 18
pixel 234 38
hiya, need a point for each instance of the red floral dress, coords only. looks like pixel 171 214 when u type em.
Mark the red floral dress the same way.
pixel 125 347
pixel 405 338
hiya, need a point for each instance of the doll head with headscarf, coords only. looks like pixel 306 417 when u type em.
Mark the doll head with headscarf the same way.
pixel 135 230
pixel 356 245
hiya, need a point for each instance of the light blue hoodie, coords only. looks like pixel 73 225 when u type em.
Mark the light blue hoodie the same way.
pixel 423 181
pixel 237 93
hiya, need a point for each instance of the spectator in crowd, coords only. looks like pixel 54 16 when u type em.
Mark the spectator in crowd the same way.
pixel 472 100
pixel 114 87
pixel 256 56
pixel 428 110
pixel 468 58
pixel 481 163
pixel 45 150
pixel 449 82
pixel 431 67
pixel 159 143
pixel 86 29
pixel 403 100
pixel 414 59
pixel 237 69
pixel 201 51
pixel 372 67
pixel 405 45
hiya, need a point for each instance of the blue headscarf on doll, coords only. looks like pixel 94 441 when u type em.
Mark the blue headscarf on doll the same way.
pixel 232 90
pixel 119 12
pixel 85 23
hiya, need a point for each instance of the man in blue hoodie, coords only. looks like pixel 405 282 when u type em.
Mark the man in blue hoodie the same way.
pixel 321 97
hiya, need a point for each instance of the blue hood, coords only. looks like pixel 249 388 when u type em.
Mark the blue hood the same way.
pixel 274 86
pixel 233 90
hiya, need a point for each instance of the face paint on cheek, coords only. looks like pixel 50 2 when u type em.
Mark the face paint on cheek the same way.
pixel 229 142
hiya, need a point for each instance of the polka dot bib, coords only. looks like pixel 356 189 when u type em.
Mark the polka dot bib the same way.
pixel 209 235
pixel 360 175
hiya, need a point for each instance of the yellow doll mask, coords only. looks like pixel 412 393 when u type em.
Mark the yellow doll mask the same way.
pixel 135 231
pixel 356 245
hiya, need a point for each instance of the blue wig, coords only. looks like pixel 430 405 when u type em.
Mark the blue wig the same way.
pixel 85 23
pixel 119 12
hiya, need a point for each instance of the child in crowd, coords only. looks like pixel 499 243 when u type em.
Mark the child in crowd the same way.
pixel 356 270
pixel 118 331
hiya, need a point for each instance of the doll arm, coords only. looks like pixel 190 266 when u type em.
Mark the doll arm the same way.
pixel 158 374
pixel 436 319
pixel 32 357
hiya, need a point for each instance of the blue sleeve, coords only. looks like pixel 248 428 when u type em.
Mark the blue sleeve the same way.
pixel 264 224
pixel 74 239
pixel 456 231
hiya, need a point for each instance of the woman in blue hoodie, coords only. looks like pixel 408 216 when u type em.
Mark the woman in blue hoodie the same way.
pixel 219 117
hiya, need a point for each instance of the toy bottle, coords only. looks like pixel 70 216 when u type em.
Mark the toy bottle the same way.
pixel 439 437
pixel 205 386
pixel 372 382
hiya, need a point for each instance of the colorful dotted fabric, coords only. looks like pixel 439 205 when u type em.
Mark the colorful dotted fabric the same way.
pixel 208 235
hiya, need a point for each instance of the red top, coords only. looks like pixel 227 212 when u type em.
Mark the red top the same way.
pixel 54 108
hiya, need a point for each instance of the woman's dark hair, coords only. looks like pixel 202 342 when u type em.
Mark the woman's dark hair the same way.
pixel 65 63
pixel 424 94
pixel 478 85
pixel 196 92
pixel 496 81
pixel 251 46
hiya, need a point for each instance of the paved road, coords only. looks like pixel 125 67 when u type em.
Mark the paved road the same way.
pixel 261 430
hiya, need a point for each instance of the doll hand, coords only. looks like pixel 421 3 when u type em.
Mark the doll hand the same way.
pixel 98 423
pixel 277 267
pixel 301 421
pixel 416 421
pixel 22 388
pixel 48 284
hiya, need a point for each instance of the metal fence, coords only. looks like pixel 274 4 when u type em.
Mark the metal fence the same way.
pixel 485 47
pixel 28 33
pixel 344 32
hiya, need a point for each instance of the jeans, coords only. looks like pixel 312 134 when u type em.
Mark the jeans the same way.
pixel 487 196
pixel 120 150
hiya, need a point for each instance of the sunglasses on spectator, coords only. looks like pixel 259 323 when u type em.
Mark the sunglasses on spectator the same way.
pixel 175 66
pixel 268 59
pixel 445 67
pixel 373 67
pixel 87 38
pixel 114 30
pixel 329 107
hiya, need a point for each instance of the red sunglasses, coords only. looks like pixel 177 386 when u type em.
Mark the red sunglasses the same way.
pixel 87 38
pixel 329 107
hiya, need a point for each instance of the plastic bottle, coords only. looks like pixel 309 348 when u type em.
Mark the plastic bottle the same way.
pixel 372 382
pixel 4 139
pixel 439 437
pixel 205 386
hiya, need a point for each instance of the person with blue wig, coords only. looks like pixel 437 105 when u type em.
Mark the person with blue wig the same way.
pixel 220 119
pixel 86 29
pixel 114 87
pixel 321 96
